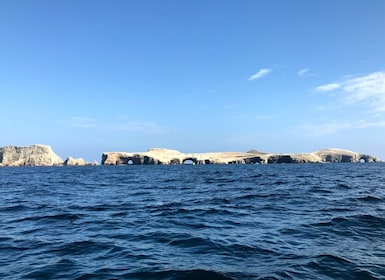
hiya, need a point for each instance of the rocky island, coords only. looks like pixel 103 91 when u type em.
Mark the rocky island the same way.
pixel 43 155
pixel 167 156
pixel 35 155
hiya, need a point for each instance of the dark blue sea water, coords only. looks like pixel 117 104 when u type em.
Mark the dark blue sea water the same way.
pixel 300 221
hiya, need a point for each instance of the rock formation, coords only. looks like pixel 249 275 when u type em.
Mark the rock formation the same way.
pixel 338 155
pixel 166 156
pixel 70 161
pixel 34 155
pixel 42 155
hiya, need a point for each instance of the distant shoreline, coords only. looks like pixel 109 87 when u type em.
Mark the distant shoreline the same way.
pixel 43 155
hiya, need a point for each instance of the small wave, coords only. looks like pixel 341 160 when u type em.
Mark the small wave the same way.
pixel 343 186
pixel 219 200
pixel 5 239
pixel 219 181
pixel 338 267
pixel 179 275
pixel 47 218
pixel 253 196
pixel 167 210
pixel 201 245
pixel 279 182
pixel 332 222
pixel 320 190
pixel 195 244
pixel 65 216
pixel 107 207
pixel 242 250
pixel 170 180
pixel 14 208
pixel 369 221
pixel 81 247
pixel 180 240
pixel 62 269
pixel 118 214
pixel 361 226
pixel 192 225
pixel 370 198
pixel 193 274
pixel 332 259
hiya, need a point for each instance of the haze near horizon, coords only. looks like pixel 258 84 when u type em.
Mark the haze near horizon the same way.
pixel 88 77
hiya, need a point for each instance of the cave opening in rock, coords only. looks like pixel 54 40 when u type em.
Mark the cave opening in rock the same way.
pixel 188 162
pixel 130 162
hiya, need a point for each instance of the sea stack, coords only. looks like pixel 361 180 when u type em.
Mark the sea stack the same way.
pixel 70 161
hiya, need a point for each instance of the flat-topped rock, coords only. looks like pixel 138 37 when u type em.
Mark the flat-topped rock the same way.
pixel 166 156
pixel 34 155
pixel 339 155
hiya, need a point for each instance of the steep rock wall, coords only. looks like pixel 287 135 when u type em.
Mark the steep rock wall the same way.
pixel 34 155
pixel 165 156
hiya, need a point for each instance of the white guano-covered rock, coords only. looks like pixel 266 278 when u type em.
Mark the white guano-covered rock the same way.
pixel 34 155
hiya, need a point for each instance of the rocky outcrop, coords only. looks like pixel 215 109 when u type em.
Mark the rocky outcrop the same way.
pixel 34 155
pixel 338 155
pixel 293 158
pixel 166 156
pixel 42 155
pixel 326 155
pixel 70 161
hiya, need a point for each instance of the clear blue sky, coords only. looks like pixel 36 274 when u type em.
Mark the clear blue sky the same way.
pixel 89 76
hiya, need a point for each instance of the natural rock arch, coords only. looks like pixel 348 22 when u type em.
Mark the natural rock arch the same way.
pixel 189 160
pixel 128 161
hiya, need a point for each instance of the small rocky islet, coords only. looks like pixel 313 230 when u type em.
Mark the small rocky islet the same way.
pixel 43 155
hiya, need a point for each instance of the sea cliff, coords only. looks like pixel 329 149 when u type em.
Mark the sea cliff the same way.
pixel 35 155
pixel 166 156
pixel 43 155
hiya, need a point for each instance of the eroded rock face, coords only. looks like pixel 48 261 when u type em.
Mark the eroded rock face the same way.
pixel 338 155
pixel 42 155
pixel 34 155
pixel 165 156
pixel 70 161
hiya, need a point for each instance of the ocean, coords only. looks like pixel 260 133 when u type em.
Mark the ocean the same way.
pixel 279 221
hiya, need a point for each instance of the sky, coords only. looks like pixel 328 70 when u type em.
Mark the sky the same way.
pixel 92 76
